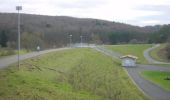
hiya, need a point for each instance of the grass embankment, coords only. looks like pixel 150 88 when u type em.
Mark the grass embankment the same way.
pixel 9 51
pixel 77 74
pixel 158 77
pixel 132 49
pixel 159 53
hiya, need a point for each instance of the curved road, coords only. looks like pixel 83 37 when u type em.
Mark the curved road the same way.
pixel 150 89
pixel 6 61
pixel 149 58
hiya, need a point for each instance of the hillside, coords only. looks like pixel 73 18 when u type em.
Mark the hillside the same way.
pixel 54 30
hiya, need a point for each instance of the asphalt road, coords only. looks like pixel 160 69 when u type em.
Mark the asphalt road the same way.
pixel 6 61
pixel 150 89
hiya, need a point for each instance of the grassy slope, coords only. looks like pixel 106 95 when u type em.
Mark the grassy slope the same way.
pixel 158 77
pixel 78 74
pixel 154 53
pixel 135 49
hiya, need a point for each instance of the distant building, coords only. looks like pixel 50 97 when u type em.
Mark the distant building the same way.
pixel 128 61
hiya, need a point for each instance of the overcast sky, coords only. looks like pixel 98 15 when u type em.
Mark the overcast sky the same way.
pixel 135 12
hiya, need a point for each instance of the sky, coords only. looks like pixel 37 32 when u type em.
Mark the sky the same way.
pixel 134 12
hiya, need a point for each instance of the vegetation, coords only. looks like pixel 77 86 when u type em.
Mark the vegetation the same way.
pixel 54 31
pixel 3 39
pixel 132 49
pixel 127 37
pixel 159 77
pixel 30 41
pixel 159 53
pixel 6 52
pixel 160 36
pixel 9 51
pixel 76 74
pixel 167 49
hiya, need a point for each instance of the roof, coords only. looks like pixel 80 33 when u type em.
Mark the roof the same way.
pixel 129 56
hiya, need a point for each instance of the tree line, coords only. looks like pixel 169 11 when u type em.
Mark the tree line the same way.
pixel 162 36
pixel 54 31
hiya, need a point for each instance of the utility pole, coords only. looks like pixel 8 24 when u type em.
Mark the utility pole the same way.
pixel 81 40
pixel 70 40
pixel 18 8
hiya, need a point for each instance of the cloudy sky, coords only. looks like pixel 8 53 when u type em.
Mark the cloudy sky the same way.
pixel 135 12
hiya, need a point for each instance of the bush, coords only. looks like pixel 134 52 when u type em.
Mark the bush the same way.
pixel 133 41
pixel 6 51
pixel 168 49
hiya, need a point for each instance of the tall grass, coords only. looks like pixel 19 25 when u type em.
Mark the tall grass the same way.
pixel 6 51
pixel 10 51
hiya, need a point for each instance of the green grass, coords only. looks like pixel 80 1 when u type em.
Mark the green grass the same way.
pixel 22 51
pixel 76 74
pixel 132 49
pixel 158 77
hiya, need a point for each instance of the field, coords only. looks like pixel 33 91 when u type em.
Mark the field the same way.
pixel 158 77
pixel 134 49
pixel 76 74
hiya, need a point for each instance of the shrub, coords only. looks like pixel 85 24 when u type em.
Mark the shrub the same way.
pixel 6 51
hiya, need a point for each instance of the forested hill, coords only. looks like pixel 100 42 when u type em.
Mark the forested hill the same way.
pixel 55 30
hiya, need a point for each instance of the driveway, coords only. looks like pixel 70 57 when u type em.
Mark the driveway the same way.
pixel 6 61
pixel 150 89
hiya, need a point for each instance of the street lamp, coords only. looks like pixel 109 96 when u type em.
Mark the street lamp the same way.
pixel 81 38
pixel 18 8
pixel 70 40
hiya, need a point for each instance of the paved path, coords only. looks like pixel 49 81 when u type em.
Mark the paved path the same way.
pixel 149 58
pixel 6 61
pixel 152 90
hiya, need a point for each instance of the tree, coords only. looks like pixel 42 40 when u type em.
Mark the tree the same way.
pixel 30 41
pixel 3 39
pixel 95 39
pixel 133 41
pixel 161 36
pixel 168 49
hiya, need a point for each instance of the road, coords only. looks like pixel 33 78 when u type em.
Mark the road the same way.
pixel 6 61
pixel 150 89
pixel 149 58
pixel 108 52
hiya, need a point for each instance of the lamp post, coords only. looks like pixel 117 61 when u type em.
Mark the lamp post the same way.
pixel 18 8
pixel 70 40
pixel 81 39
